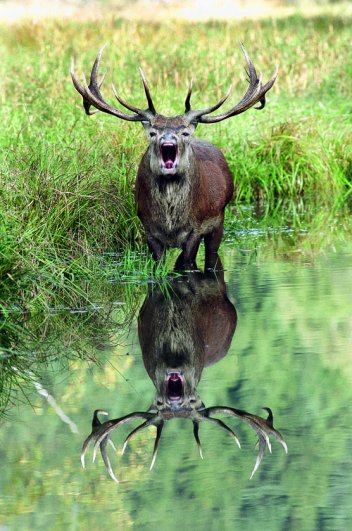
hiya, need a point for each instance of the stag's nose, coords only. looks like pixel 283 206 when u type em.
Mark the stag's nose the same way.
pixel 168 138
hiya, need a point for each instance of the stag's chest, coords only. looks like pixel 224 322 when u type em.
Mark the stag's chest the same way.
pixel 170 212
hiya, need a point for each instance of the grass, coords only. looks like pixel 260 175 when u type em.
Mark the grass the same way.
pixel 87 326
pixel 67 180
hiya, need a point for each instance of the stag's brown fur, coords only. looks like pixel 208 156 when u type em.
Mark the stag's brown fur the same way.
pixel 182 209
pixel 183 185
pixel 185 331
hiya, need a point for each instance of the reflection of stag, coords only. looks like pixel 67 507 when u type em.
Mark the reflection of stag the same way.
pixel 181 332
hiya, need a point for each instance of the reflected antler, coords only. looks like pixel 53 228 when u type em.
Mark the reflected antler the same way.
pixel 101 431
pixel 95 428
pixel 154 421
pixel 196 436
pixel 262 427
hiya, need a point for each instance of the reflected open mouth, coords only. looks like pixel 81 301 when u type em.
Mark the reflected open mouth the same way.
pixel 168 155
pixel 174 386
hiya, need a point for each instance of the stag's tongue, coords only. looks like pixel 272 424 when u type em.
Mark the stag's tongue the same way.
pixel 174 386
pixel 168 155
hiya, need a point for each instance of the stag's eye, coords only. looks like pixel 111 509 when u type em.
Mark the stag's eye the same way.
pixel 185 134
pixel 152 134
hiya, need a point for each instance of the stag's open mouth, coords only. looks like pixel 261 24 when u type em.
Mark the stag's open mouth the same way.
pixel 174 386
pixel 168 156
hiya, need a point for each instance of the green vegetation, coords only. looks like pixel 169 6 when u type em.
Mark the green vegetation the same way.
pixel 86 326
pixel 71 244
pixel 67 180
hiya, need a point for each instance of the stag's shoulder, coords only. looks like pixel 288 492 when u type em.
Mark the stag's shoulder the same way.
pixel 206 151
pixel 212 166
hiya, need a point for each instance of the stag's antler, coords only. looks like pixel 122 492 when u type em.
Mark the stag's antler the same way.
pixel 101 432
pixel 262 427
pixel 92 96
pixel 255 93
pixel 95 428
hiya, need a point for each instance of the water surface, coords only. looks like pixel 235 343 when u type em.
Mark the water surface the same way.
pixel 290 351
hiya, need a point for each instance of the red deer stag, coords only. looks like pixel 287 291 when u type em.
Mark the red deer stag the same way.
pixel 183 183
pixel 180 333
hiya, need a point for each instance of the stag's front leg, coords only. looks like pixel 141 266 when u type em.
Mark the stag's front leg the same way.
pixel 187 259
pixel 156 247
pixel 212 242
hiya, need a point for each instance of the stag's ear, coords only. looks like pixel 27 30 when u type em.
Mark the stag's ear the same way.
pixel 149 131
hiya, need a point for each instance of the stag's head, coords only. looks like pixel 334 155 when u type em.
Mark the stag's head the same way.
pixel 169 145
pixel 176 391
pixel 170 138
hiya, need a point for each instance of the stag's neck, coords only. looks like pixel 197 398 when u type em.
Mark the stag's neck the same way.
pixel 176 189
pixel 173 183
pixel 171 198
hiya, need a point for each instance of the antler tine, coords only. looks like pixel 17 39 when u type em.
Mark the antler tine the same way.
pixel 94 85
pixel 101 432
pixel 222 424
pixel 106 458
pixel 92 96
pixel 159 429
pixel 254 94
pixel 101 80
pixel 133 432
pixel 196 436
pixel 270 417
pixel 85 447
pixel 262 441
pixel 80 89
pixel 257 423
pixel 123 102
pixel 95 421
pixel 151 107
pixel 273 431
pixel 195 116
pixel 251 72
pixel 263 427
pixel 95 426
pixel 262 446
pixel 107 427
pixel 266 88
pixel 254 81
pixel 188 97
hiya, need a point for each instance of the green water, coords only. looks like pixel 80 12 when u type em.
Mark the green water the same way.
pixel 291 351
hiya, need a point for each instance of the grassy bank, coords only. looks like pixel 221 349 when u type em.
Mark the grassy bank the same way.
pixel 67 180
